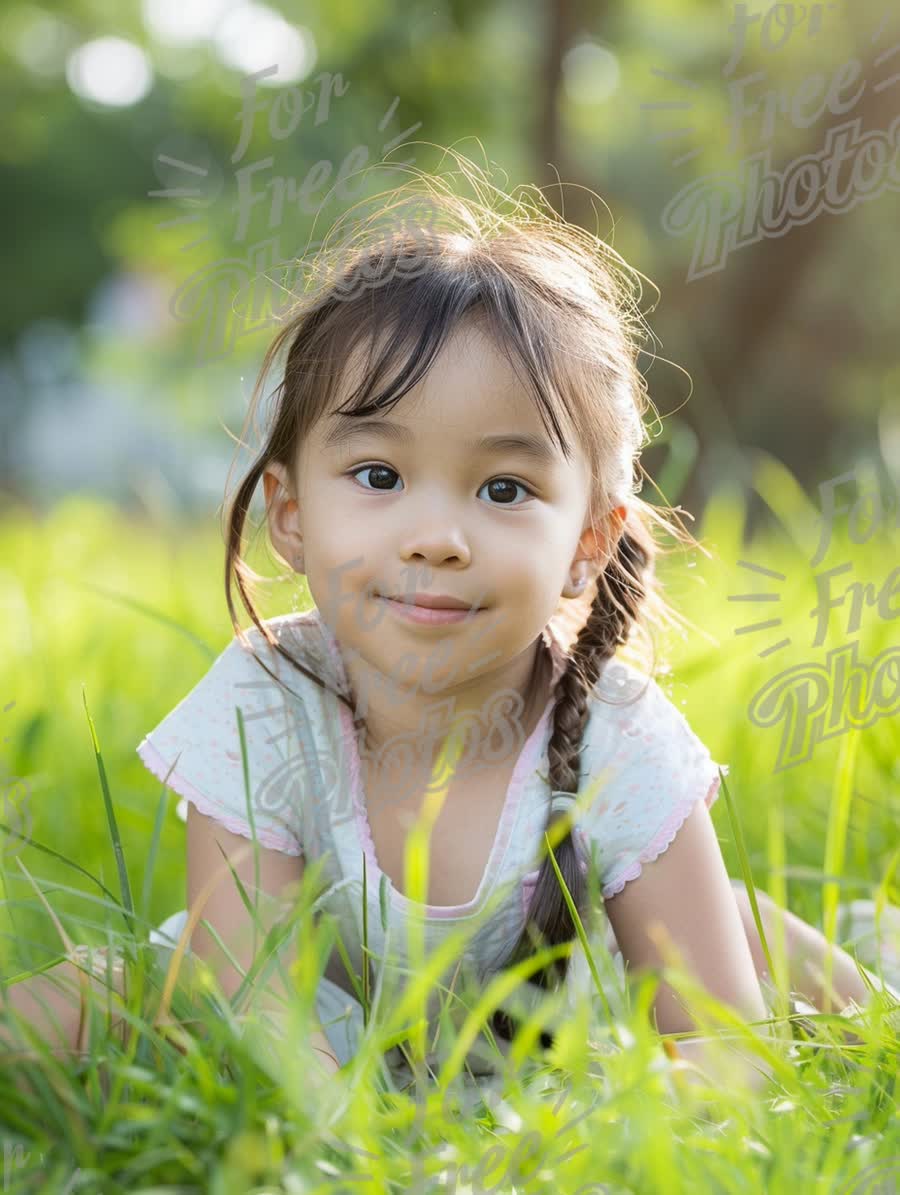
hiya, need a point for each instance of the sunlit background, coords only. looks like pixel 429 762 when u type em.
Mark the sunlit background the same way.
pixel 159 165
pixel 120 186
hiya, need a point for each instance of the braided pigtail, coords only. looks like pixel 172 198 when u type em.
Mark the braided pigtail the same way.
pixel 621 590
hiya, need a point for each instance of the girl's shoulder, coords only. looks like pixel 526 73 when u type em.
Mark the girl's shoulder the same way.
pixel 238 670
pixel 643 769
pixel 628 702
pixel 305 636
pixel 237 708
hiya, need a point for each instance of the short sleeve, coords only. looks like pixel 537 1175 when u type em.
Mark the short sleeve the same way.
pixel 652 769
pixel 200 742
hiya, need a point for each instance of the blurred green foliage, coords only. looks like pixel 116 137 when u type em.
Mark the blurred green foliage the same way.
pixel 790 347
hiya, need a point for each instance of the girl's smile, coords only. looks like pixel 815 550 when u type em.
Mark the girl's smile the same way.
pixel 419 611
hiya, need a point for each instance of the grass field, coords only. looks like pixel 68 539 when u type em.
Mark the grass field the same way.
pixel 108 622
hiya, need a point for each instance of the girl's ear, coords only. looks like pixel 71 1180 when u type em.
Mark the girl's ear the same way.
pixel 597 545
pixel 283 515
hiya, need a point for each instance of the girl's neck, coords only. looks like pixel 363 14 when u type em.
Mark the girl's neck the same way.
pixel 406 729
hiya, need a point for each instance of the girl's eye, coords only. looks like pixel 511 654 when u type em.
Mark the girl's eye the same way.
pixel 505 484
pixel 376 469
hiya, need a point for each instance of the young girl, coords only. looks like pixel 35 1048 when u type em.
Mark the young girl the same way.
pixel 451 461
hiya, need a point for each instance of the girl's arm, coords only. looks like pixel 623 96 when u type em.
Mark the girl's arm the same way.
pixel 279 874
pixel 685 895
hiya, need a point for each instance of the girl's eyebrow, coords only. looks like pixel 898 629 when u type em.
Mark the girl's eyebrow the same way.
pixel 347 427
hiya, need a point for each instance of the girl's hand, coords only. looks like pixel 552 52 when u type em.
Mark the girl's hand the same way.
pixel 266 1035
pixel 326 1063
pixel 705 1061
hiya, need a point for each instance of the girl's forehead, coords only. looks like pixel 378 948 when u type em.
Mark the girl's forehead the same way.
pixel 467 357
pixel 475 427
pixel 471 399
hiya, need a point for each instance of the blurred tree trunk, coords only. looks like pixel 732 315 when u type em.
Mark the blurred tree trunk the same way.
pixel 754 298
pixel 737 314
pixel 552 161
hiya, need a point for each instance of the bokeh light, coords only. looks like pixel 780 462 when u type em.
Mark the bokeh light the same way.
pixel 252 37
pixel 111 71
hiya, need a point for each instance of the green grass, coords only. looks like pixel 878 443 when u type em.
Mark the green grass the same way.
pixel 108 623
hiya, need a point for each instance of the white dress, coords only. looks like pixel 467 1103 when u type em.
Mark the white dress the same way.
pixel 642 771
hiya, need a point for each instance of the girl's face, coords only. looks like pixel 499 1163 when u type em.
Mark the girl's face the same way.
pixel 417 501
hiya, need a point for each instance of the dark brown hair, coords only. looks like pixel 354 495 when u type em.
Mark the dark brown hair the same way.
pixel 558 301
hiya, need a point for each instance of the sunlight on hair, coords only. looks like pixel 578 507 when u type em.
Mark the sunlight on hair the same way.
pixel 460 244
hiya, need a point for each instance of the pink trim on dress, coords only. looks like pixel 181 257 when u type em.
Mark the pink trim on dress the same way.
pixel 524 765
pixel 663 839
pixel 155 763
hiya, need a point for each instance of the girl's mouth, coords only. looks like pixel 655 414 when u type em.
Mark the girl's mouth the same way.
pixel 425 615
